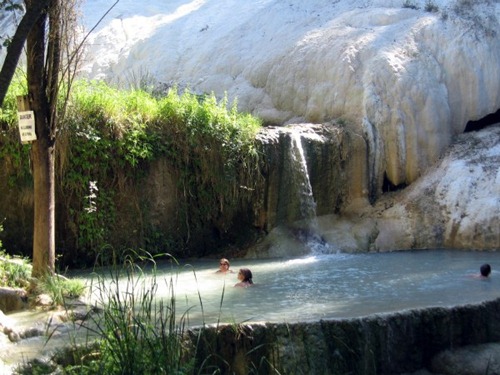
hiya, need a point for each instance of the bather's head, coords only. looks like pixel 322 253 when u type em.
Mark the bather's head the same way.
pixel 223 265
pixel 485 270
pixel 245 275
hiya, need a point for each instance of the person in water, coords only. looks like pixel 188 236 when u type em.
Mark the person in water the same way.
pixel 224 266
pixel 245 278
pixel 485 270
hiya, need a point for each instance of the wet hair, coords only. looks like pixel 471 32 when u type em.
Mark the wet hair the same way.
pixel 485 270
pixel 224 260
pixel 247 274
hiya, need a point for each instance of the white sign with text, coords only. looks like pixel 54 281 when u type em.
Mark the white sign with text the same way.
pixel 27 126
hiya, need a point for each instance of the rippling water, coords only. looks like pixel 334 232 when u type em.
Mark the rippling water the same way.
pixel 311 288
pixel 340 285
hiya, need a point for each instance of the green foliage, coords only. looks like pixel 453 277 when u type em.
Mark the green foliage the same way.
pixel 8 111
pixel 106 146
pixel 13 154
pixel 213 148
pixel 60 288
pixel 14 272
pixel 117 133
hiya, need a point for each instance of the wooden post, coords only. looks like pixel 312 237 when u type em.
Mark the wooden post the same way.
pixel 23 103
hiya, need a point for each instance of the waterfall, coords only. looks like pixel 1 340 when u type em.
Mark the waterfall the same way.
pixel 309 231
pixel 301 178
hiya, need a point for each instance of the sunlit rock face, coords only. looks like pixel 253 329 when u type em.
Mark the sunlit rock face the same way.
pixel 456 205
pixel 406 78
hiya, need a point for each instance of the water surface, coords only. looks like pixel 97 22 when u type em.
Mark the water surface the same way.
pixel 338 286
pixel 301 289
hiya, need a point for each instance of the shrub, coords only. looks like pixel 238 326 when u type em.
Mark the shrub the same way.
pixel 410 4
pixel 15 272
pixel 430 6
pixel 136 332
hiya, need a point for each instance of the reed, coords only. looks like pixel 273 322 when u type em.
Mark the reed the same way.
pixel 134 332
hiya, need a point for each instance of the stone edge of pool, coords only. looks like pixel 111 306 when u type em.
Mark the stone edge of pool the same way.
pixel 384 343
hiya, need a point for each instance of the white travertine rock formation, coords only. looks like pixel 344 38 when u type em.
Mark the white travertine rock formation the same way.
pixel 407 74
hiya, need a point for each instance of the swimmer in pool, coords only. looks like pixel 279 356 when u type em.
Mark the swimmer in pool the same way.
pixel 224 266
pixel 485 270
pixel 245 278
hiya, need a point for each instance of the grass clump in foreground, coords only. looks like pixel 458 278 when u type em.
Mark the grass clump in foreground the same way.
pixel 59 288
pixel 137 333
pixel 134 332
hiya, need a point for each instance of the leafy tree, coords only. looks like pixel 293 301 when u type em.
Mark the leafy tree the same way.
pixel 48 29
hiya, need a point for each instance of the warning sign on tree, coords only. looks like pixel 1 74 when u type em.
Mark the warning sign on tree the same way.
pixel 27 126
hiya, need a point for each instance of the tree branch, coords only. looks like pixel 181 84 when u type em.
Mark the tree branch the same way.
pixel 16 46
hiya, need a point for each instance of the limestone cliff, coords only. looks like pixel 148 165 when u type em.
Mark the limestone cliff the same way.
pixel 406 75
pixel 402 77
pixel 455 205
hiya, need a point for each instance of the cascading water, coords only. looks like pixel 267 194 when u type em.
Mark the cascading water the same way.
pixel 301 178
pixel 307 204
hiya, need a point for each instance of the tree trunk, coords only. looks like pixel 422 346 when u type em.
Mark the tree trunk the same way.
pixel 42 153
pixel 44 210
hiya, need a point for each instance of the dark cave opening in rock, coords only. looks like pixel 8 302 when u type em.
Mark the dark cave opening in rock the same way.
pixel 492 118
pixel 389 186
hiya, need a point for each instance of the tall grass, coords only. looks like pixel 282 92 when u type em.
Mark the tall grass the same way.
pixel 138 333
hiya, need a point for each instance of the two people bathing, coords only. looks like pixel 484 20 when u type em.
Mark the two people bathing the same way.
pixel 244 274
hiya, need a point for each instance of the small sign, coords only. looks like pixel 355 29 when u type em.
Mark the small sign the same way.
pixel 27 126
